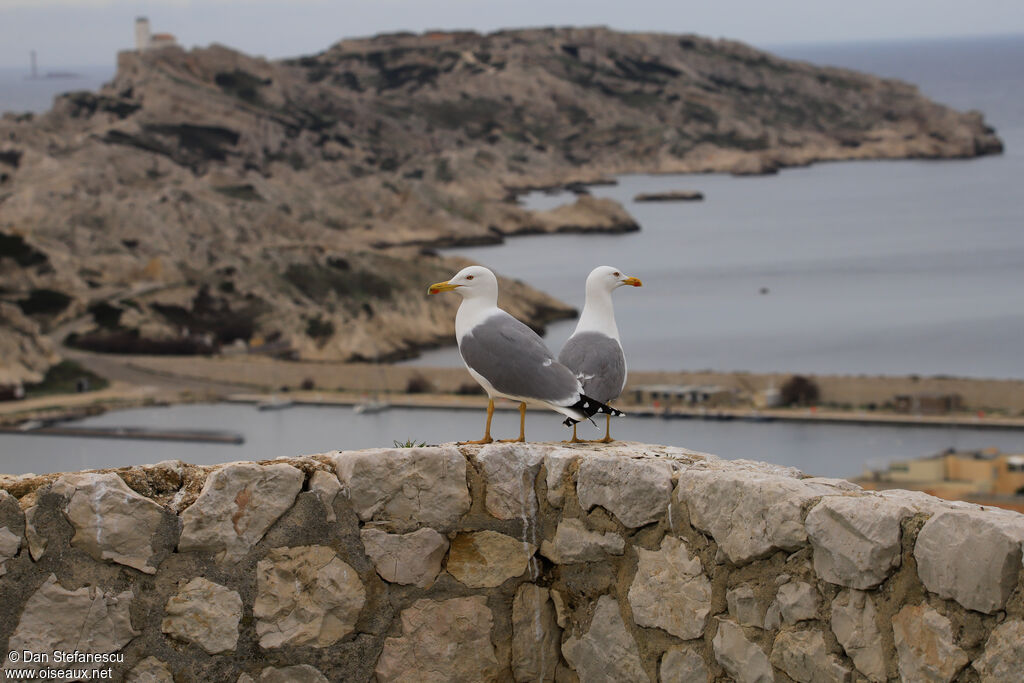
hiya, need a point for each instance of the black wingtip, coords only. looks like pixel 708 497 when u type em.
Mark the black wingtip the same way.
pixel 590 407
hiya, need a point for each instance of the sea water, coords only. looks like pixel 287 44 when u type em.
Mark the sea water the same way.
pixel 877 267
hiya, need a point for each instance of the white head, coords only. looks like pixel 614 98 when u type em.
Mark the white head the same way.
pixel 472 282
pixel 608 278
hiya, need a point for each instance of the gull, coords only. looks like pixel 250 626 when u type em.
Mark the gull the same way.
pixel 594 352
pixel 508 359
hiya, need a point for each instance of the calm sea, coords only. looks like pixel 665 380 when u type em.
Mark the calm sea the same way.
pixel 18 93
pixel 840 451
pixel 892 267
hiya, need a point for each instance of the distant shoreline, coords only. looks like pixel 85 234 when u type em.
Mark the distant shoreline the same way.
pixel 986 402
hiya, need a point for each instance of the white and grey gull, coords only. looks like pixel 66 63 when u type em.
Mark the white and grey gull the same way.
pixel 507 358
pixel 594 351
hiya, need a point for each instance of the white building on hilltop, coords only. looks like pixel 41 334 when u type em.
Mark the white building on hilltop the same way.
pixel 144 40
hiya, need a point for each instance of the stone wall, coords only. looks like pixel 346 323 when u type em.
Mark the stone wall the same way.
pixel 534 562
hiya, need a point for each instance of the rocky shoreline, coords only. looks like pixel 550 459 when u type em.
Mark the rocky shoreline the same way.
pixel 209 199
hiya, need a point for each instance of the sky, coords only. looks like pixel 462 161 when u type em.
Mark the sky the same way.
pixel 89 32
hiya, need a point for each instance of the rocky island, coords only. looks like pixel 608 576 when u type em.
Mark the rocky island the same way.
pixel 207 199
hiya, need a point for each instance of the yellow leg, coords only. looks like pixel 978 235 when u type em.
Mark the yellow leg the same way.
pixel 522 425
pixel 574 439
pixel 607 430
pixel 487 430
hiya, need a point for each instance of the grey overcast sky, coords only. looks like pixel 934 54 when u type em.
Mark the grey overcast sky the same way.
pixel 89 32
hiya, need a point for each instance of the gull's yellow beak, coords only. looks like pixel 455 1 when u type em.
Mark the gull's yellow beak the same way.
pixel 439 287
pixel 633 281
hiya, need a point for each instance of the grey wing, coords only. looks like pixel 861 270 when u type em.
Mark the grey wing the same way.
pixel 511 356
pixel 598 362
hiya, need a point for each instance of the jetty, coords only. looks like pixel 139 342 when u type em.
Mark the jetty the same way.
pixel 141 433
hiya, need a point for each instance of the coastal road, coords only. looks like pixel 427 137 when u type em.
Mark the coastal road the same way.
pixel 121 369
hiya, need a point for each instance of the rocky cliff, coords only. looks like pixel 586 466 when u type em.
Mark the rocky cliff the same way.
pixel 206 197
pixel 533 562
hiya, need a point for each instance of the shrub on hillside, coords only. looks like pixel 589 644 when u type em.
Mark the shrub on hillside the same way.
pixel 799 391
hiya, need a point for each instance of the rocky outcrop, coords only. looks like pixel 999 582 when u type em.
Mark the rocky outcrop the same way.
pixel 25 354
pixel 671 196
pixel 507 562
pixel 208 198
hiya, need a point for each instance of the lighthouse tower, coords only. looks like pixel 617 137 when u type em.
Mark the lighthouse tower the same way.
pixel 141 33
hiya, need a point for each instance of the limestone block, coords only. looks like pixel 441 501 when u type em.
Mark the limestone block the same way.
pixel 510 470
pixel 12 525
pixel 750 514
pixel 574 542
pixel 486 559
pixel 606 652
pixel 326 487
pixel 557 464
pixel 409 559
pixel 924 645
pixel 949 549
pixel 298 673
pixel 413 486
pixel 1003 660
pixel 236 507
pixel 561 609
pixel 773 616
pixel 87 619
pixel 854 623
pixel 798 601
pixel 205 614
pixel 804 658
pixel 10 510
pixel 111 521
pixel 744 606
pixel 856 540
pixel 305 595
pixel 36 541
pixel 535 635
pixel 149 670
pixel 441 641
pixel 683 665
pixel 636 491
pixel 670 590
pixel 742 659
pixel 9 545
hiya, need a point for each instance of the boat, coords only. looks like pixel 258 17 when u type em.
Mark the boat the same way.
pixel 275 403
pixel 371 406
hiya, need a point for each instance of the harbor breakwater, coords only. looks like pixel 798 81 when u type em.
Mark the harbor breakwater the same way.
pixel 525 562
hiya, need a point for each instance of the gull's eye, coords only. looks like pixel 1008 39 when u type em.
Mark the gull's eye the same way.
pixel 617 274
pixel 469 277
